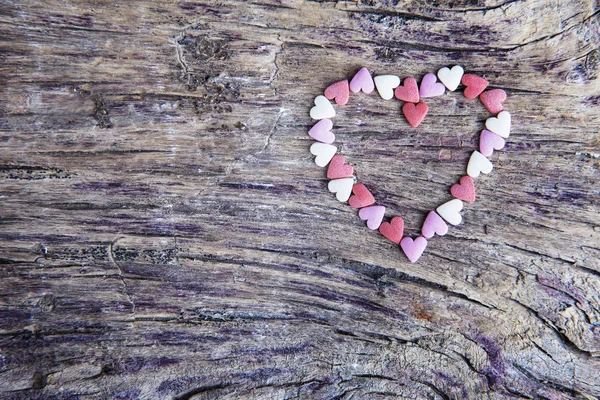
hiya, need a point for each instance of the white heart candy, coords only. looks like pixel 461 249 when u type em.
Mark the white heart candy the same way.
pixel 322 109
pixel 478 163
pixel 342 188
pixel 386 84
pixel 451 77
pixel 450 211
pixel 323 152
pixel 500 125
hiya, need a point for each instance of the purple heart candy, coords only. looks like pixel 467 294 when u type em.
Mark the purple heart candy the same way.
pixel 489 141
pixel 362 80
pixel 413 248
pixel 373 215
pixel 321 131
pixel 434 224
pixel 430 87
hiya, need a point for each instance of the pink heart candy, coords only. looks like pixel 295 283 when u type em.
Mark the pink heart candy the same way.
pixel 415 113
pixel 413 248
pixel 339 92
pixel 493 99
pixel 465 190
pixel 489 141
pixel 338 168
pixel 434 224
pixel 430 87
pixel 409 91
pixel 362 81
pixel 373 215
pixel 321 131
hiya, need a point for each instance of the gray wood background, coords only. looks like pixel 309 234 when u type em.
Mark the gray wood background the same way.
pixel 164 232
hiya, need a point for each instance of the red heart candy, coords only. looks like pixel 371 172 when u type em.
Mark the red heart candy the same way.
pixel 474 85
pixel 414 113
pixel 492 100
pixel 409 92
pixel 338 91
pixel 393 230
pixel 362 197
pixel 465 190
pixel 338 168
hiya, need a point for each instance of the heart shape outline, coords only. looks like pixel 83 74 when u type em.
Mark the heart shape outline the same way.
pixel 448 212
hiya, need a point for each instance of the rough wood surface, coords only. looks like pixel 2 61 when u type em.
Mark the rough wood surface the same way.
pixel 164 232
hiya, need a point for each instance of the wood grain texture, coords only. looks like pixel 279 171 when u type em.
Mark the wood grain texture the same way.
pixel 164 232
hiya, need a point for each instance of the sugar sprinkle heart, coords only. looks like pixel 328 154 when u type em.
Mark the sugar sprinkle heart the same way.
pixel 323 152
pixel 322 109
pixel 338 91
pixel 493 99
pixel 321 131
pixel 343 182
pixel 373 215
pixel 500 125
pixel 430 87
pixel 474 85
pixel 451 77
pixel 465 190
pixel 413 248
pixel 393 230
pixel 478 163
pixel 341 187
pixel 415 113
pixel 489 141
pixel 450 211
pixel 386 84
pixel 433 225
pixel 361 197
pixel 338 168
pixel 362 81
pixel 409 92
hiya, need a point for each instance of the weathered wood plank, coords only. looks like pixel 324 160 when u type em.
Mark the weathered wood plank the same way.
pixel 164 232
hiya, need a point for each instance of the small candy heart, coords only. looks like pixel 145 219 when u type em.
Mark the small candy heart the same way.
pixel 430 87
pixel 362 197
pixel 451 77
pixel 386 84
pixel 489 141
pixel 321 131
pixel 393 230
pixel 323 152
pixel 362 81
pixel 433 225
pixel 450 211
pixel 500 125
pixel 409 92
pixel 465 190
pixel 413 248
pixel 373 215
pixel 322 109
pixel 338 168
pixel 492 100
pixel 338 91
pixel 341 187
pixel 415 113
pixel 478 163
pixel 474 85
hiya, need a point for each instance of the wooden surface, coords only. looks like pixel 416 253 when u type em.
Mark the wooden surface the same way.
pixel 164 232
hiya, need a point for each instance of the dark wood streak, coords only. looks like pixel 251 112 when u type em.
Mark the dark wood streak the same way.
pixel 164 232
